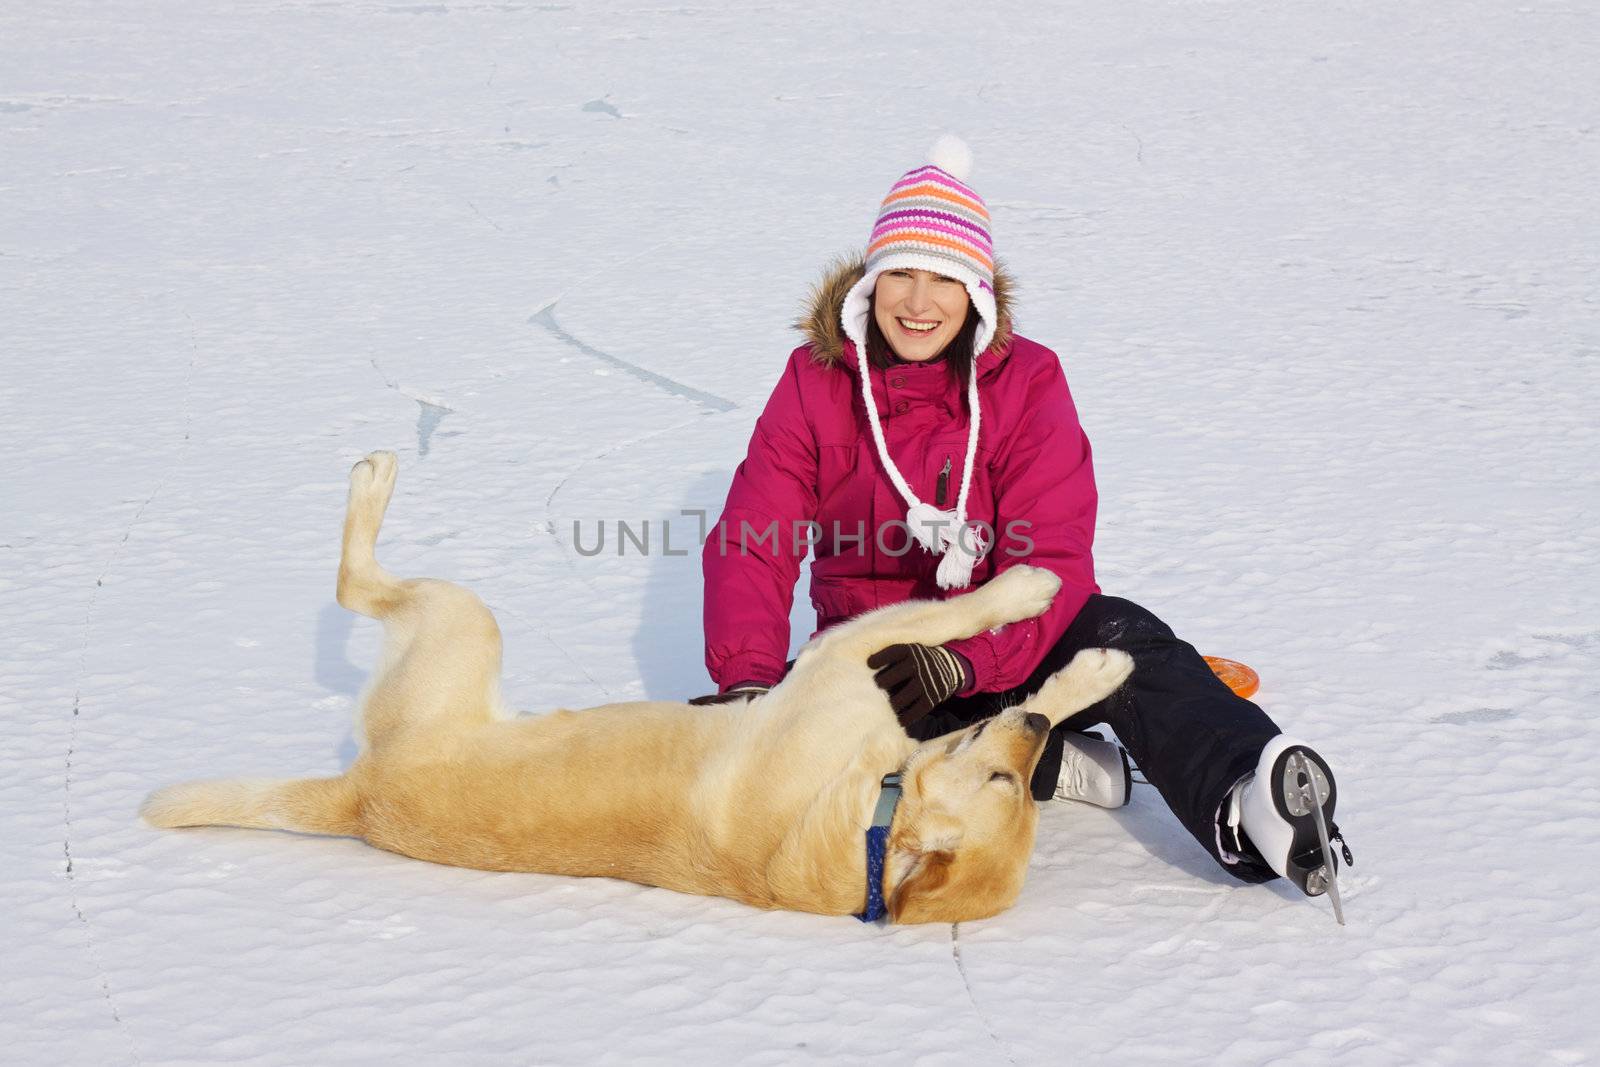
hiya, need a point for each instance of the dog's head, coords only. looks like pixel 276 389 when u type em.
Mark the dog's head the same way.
pixel 964 829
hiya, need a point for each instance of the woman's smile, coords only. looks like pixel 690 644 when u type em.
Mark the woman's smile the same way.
pixel 919 312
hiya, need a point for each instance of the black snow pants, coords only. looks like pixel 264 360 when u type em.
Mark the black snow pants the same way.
pixel 1187 732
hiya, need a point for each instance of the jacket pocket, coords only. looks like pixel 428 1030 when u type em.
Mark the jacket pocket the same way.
pixel 837 601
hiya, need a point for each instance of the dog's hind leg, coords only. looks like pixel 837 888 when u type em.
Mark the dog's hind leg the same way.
pixel 441 647
pixel 364 586
pixel 440 666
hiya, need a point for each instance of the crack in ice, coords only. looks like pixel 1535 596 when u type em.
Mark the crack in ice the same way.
pixel 430 413
pixel 77 700
pixel 550 524
pixel 546 317
pixel 961 968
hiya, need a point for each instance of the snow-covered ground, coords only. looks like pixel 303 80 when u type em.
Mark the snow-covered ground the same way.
pixel 1325 279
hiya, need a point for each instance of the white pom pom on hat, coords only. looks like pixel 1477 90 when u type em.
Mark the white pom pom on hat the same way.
pixel 951 155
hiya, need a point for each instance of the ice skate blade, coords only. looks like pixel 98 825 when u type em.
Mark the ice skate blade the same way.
pixel 1331 866
pixel 1304 795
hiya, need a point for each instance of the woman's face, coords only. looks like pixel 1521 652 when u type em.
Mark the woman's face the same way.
pixel 919 312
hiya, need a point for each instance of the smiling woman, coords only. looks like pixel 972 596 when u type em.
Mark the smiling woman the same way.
pixel 915 403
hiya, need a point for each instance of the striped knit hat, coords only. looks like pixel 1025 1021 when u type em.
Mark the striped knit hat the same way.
pixel 932 220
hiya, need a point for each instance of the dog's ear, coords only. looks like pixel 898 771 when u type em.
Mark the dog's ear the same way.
pixel 927 872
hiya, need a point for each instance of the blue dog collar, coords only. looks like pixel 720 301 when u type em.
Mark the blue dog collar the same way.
pixel 878 845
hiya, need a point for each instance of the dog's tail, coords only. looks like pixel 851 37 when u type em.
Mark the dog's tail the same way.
pixel 308 805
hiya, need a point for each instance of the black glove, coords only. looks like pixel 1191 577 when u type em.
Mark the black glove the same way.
pixel 919 677
pixel 742 691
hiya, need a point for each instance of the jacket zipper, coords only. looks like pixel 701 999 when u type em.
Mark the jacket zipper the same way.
pixel 942 489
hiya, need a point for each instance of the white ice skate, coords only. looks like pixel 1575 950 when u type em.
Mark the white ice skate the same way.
pixel 1094 771
pixel 1284 812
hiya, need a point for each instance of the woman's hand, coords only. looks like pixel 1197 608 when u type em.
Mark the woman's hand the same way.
pixel 918 678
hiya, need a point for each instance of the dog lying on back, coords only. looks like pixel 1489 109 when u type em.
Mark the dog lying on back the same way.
pixel 765 801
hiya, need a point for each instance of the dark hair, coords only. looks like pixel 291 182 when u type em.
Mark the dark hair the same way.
pixel 957 355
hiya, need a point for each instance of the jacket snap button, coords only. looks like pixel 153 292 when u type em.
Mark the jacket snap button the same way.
pixel 898 382
pixel 901 408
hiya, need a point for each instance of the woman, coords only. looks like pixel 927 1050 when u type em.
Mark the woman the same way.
pixel 920 447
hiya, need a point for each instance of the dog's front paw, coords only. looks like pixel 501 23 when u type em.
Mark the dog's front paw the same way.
pixel 1024 592
pixel 1100 670
pixel 1093 675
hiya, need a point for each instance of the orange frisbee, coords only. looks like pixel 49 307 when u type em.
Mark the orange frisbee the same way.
pixel 1235 675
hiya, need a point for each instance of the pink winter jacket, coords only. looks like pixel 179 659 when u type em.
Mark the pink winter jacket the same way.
pixel 812 460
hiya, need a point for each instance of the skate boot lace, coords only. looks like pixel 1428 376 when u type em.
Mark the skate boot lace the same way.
pixel 1074 780
pixel 1335 834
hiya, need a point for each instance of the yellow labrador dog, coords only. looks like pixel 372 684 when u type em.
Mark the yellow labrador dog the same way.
pixel 765 801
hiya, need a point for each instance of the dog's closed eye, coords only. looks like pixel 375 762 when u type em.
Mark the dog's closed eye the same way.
pixel 961 741
pixel 1003 776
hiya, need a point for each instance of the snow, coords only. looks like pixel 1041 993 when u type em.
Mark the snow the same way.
pixel 1325 283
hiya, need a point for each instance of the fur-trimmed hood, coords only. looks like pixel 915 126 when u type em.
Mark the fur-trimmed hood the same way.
pixel 822 326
